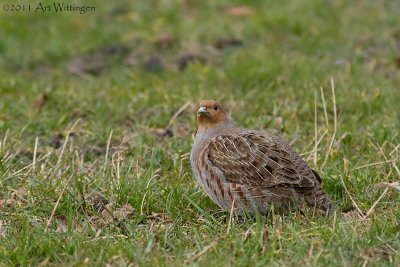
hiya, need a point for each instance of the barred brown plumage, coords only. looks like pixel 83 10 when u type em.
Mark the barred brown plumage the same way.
pixel 251 170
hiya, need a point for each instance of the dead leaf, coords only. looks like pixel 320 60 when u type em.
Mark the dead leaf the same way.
pixel 97 201
pixel 39 102
pixel 108 214
pixel 62 224
pixel 397 62
pixel 223 43
pixel 351 215
pixel 116 49
pixel 377 252
pixel 239 11
pixel 392 185
pixel 161 132
pixel 93 62
pixel 158 217
pixel 94 150
pixel 57 141
pixel 19 195
pixel 166 41
pixel 131 60
pixel 79 114
pixel 16 198
pixel 153 64
pixel 184 60
pixel 8 203
pixel 182 131
pixel 2 228
pixel 124 212
pixel 85 65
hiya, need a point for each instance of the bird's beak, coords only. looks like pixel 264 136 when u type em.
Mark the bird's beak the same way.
pixel 202 110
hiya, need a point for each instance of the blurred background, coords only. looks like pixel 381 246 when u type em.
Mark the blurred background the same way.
pixel 118 85
pixel 150 57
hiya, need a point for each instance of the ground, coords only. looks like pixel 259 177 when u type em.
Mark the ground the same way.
pixel 97 116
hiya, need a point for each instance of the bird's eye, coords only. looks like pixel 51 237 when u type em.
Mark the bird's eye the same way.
pixel 215 108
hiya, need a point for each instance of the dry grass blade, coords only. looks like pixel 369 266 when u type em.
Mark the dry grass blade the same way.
pixel 3 142
pixel 106 237
pixel 324 105
pixel 66 141
pixel 360 213
pixel 107 150
pixel 334 123
pixel 310 153
pixel 315 154
pixel 177 114
pixel 156 174
pixel 31 164
pixel 394 150
pixel 376 203
pixel 57 203
pixel 2 229
pixel 393 163
pixel 231 216
pixel 374 164
pixel 204 250
pixel 239 11
pixel 35 151
pixel 394 185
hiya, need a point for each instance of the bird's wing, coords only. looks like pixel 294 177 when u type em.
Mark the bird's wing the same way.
pixel 252 158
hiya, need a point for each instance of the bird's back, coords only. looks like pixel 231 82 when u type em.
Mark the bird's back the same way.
pixel 253 170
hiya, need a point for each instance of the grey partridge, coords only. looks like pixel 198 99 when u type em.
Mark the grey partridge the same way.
pixel 250 171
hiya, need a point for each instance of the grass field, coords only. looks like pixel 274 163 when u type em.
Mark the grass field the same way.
pixel 97 115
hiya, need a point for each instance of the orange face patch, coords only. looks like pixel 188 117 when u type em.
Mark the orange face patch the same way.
pixel 209 113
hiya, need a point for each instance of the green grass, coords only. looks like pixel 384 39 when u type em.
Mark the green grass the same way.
pixel 290 50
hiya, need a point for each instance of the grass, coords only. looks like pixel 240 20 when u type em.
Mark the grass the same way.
pixel 73 142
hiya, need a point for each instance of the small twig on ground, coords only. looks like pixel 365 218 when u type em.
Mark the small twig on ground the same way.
pixel 177 114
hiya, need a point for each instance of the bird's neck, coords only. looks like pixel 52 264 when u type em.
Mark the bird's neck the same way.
pixel 207 131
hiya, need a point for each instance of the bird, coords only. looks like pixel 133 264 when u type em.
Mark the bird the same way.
pixel 250 171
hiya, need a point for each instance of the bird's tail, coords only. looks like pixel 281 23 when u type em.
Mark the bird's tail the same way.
pixel 317 199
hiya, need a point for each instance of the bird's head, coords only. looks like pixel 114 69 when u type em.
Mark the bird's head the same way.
pixel 210 114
